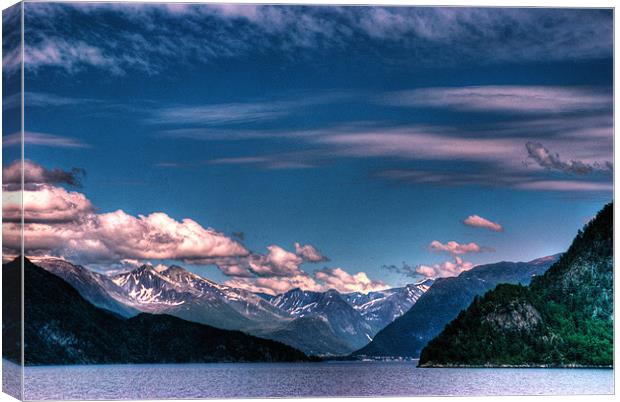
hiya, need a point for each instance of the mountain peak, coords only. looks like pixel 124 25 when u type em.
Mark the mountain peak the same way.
pixel 424 282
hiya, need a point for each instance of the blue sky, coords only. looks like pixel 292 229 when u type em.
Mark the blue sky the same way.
pixel 370 134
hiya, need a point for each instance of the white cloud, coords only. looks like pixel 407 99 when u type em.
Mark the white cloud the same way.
pixel 276 285
pixel 342 281
pixel 277 262
pixel 444 269
pixel 480 222
pixel 46 204
pixel 456 248
pixel 309 253
pixel 321 281
pixel 64 223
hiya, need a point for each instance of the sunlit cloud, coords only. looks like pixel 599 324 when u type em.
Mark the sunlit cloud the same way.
pixel 480 222
pixel 456 248
pixel 444 269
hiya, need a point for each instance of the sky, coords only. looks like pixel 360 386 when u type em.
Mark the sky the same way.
pixel 272 147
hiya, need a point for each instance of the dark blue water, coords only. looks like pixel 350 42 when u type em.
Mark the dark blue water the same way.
pixel 302 379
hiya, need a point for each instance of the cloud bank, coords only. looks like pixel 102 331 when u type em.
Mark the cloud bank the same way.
pixel 63 223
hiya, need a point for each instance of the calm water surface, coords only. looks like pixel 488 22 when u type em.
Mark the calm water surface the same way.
pixel 302 379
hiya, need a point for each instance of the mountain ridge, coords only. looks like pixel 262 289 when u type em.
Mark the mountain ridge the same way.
pixel 181 293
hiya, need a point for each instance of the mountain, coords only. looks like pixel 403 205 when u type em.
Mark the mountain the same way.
pixel 382 307
pixel 563 318
pixel 331 308
pixel 312 335
pixel 94 287
pixel 248 304
pixel 173 291
pixel 331 323
pixel 152 292
pixel 322 323
pixel 63 328
pixel 408 334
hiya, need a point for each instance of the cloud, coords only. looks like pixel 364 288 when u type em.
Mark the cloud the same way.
pixel 157 37
pixel 309 253
pixel 456 248
pixel 342 281
pixel 43 202
pixel 220 113
pixel 276 285
pixel 321 281
pixel 444 269
pixel 109 237
pixel 43 139
pixel 421 143
pixel 405 269
pixel 11 42
pixel 480 222
pixel 64 223
pixel 548 160
pixel 481 150
pixel 272 162
pixel 68 54
pixel 488 179
pixel 277 262
pixel 508 99
pixel 47 204
pixel 36 174
pixel 566 186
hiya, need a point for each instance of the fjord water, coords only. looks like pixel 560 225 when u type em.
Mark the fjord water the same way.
pixel 302 379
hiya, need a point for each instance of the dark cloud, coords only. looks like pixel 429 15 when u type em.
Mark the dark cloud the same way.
pixel 404 269
pixel 37 175
pixel 542 156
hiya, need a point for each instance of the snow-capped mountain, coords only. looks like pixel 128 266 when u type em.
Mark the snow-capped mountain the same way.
pixel 97 288
pixel 319 312
pixel 353 317
pixel 382 307
pixel 178 292
pixel 315 322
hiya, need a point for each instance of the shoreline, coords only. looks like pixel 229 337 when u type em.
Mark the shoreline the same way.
pixel 500 366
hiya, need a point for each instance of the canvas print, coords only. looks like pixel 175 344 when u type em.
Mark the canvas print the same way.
pixel 251 200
